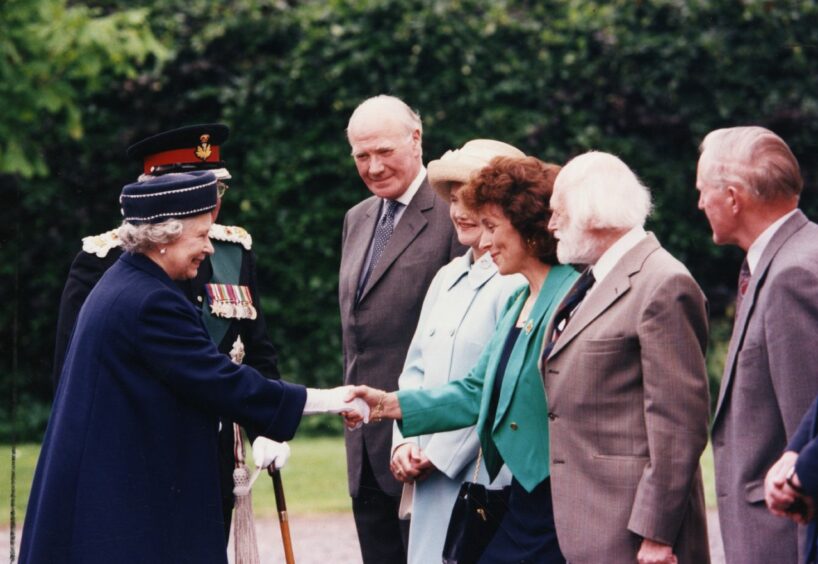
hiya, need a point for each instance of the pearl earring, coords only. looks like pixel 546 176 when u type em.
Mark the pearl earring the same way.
pixel 162 251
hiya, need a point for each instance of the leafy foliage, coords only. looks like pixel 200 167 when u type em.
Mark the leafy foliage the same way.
pixel 51 57
pixel 645 80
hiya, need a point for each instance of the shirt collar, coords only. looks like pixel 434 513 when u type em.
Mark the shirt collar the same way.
pixel 407 196
pixel 757 248
pixel 477 271
pixel 481 269
pixel 615 252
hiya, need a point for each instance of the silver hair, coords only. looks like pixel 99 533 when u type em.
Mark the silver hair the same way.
pixel 754 158
pixel 601 192
pixel 146 236
pixel 409 117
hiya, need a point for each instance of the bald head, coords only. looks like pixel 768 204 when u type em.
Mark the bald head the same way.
pixel 384 108
pixel 385 136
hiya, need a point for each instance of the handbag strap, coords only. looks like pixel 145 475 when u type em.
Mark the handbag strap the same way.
pixel 477 466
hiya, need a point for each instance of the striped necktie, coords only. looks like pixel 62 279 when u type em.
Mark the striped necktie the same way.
pixel 568 307
pixel 383 232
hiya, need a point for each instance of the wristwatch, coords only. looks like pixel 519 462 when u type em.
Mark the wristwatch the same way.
pixel 790 482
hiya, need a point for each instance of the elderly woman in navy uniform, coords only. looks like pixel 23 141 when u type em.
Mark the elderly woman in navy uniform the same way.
pixel 462 306
pixel 224 288
pixel 128 470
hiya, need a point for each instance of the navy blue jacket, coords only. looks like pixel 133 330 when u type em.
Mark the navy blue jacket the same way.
pixel 805 443
pixel 128 470
pixel 86 271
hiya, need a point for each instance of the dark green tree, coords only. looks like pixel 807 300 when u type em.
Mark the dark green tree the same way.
pixel 645 80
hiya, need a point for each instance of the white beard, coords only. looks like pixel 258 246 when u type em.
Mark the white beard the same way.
pixel 576 246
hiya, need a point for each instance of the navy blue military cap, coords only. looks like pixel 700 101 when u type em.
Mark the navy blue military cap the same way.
pixel 171 195
pixel 193 147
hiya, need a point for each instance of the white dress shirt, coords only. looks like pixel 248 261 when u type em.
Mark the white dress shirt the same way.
pixel 757 248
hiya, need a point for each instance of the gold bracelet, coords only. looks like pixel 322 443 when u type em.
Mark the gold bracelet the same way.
pixel 377 413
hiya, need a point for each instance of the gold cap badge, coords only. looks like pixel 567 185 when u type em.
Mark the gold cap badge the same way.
pixel 203 148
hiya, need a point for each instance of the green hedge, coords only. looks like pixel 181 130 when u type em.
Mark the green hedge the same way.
pixel 643 79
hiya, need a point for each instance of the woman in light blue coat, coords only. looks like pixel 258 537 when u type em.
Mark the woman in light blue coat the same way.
pixel 461 309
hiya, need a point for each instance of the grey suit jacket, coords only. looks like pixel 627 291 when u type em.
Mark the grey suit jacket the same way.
pixel 769 382
pixel 627 392
pixel 376 331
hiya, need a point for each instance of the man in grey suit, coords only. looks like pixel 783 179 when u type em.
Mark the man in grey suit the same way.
pixel 749 184
pixel 393 244
pixel 625 379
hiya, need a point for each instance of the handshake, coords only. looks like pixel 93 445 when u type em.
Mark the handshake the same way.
pixel 357 404
pixel 338 400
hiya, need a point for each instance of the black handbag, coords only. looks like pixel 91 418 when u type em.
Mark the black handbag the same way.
pixel 476 516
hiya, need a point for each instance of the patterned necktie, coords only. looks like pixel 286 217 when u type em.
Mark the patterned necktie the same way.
pixel 743 283
pixel 383 231
pixel 568 307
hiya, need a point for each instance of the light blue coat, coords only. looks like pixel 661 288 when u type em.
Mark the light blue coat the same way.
pixel 461 309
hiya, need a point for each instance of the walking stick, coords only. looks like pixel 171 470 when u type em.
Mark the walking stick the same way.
pixel 283 521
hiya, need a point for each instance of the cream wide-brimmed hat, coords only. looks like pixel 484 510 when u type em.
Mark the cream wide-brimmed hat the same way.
pixel 458 165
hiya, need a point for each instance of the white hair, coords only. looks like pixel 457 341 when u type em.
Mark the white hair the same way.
pixel 143 237
pixel 393 106
pixel 755 158
pixel 599 191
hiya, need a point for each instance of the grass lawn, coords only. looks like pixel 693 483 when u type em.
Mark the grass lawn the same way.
pixel 315 479
pixel 708 475
pixel 26 456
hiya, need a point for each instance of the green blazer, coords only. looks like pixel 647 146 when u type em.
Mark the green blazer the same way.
pixel 518 435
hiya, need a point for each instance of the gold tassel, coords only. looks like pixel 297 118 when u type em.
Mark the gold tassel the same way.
pixel 244 527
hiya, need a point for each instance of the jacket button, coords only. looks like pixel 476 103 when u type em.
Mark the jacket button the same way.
pixel 513 426
pixel 552 416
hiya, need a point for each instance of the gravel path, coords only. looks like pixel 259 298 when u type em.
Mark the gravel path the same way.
pixel 330 537
pixel 317 539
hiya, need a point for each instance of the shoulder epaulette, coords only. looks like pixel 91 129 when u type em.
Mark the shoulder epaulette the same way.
pixel 100 244
pixel 231 234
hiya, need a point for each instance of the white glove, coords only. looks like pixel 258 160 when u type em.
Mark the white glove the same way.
pixel 267 452
pixel 332 401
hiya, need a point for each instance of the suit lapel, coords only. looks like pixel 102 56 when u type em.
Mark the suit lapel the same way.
pixel 503 328
pixel 411 223
pixel 542 306
pixel 358 243
pixel 614 286
pixel 475 274
pixel 787 230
